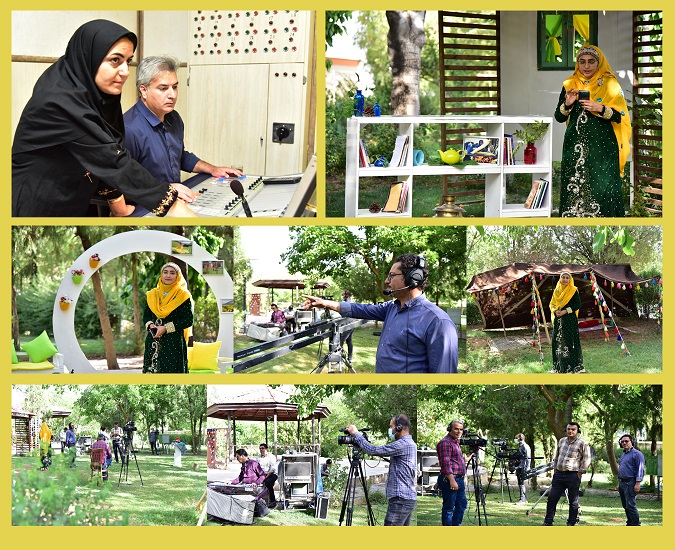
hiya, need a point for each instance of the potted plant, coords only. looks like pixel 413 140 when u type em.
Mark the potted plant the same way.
pixel 529 134
pixel 77 275
pixel 64 303
pixel 94 260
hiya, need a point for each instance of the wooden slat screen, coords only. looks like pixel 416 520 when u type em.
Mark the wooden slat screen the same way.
pixel 470 82
pixel 647 106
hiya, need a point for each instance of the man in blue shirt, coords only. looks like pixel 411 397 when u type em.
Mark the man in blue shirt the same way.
pixel 631 473
pixel 154 130
pixel 402 477
pixel 417 336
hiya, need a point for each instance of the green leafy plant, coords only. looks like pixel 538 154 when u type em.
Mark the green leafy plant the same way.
pixel 530 133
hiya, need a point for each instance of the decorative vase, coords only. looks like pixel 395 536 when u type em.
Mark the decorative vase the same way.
pixel 93 263
pixel 77 279
pixel 64 305
pixel 530 153
pixel 359 103
pixel 448 208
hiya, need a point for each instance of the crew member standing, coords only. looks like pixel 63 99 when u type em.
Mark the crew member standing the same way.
pixel 525 456
pixel 451 478
pixel 572 459
pixel 116 436
pixel 631 473
pixel 402 477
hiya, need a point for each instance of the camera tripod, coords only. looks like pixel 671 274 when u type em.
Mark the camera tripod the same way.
pixel 336 356
pixel 127 451
pixel 355 475
pixel 479 495
pixel 503 464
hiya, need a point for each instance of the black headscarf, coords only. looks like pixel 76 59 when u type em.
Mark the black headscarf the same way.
pixel 66 103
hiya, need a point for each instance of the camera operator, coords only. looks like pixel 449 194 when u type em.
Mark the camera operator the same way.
pixel 402 477
pixel 572 459
pixel 417 336
pixel 525 457
pixel 451 478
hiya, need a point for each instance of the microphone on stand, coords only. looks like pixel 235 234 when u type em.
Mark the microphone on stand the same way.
pixel 238 189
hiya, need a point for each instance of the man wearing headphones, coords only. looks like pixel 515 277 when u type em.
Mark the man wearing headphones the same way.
pixel 631 473
pixel 402 477
pixel 525 456
pixel 417 336
pixel 451 478
pixel 572 459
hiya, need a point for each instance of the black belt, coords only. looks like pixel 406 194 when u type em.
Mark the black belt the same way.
pixel 624 479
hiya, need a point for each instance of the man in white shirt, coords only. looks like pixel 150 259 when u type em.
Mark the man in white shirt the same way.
pixel 268 462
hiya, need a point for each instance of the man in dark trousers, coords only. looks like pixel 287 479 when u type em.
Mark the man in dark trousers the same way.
pixel 631 473
pixel 572 459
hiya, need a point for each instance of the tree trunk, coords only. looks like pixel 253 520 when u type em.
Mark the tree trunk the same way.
pixel 138 335
pixel 15 321
pixel 106 329
pixel 405 40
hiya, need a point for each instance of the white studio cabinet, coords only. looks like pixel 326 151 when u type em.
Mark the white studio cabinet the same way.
pixel 495 174
pixel 249 76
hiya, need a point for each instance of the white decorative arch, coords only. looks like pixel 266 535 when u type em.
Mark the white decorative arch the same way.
pixel 114 247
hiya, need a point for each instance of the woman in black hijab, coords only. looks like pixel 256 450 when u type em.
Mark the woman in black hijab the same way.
pixel 69 141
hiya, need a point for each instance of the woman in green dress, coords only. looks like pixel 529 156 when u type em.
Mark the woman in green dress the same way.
pixel 597 139
pixel 168 320
pixel 565 305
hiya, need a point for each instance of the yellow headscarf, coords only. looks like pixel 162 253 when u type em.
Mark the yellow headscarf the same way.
pixel 605 89
pixel 563 294
pixel 45 433
pixel 163 299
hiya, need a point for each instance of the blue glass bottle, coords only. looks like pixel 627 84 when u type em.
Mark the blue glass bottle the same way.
pixel 359 103
pixel 376 109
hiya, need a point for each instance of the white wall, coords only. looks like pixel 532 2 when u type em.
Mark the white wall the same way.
pixel 540 95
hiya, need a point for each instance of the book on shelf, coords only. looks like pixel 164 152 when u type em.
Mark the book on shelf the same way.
pixel 541 194
pixel 398 158
pixel 396 199
pixel 508 149
pixel 537 193
pixel 364 159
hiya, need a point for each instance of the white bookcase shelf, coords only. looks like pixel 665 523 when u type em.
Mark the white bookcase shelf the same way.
pixel 495 174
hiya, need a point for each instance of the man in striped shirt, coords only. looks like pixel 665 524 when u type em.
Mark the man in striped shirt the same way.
pixel 572 459
pixel 451 478
pixel 402 476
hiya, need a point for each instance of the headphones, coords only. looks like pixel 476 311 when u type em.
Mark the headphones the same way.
pixel 414 277
pixel 397 424
pixel 629 437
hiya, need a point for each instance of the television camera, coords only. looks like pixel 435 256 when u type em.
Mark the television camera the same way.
pixel 473 441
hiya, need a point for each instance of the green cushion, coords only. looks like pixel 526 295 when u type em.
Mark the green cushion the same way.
pixel 40 349
pixel 15 359
pixel 203 356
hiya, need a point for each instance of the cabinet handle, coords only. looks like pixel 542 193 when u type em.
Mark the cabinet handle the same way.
pixel 261 142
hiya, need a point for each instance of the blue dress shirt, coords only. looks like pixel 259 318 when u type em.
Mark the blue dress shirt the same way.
pixel 417 337
pixel 158 146
pixel 632 465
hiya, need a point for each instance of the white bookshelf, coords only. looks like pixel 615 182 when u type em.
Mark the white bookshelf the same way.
pixel 495 174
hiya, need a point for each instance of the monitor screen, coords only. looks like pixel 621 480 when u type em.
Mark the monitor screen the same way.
pixel 297 469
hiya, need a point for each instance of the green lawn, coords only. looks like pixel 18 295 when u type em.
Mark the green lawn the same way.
pixel 293 517
pixel 168 496
pixel 596 509
pixel 600 357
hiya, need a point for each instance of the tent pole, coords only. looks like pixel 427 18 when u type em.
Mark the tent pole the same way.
pixel 499 305
pixel 543 315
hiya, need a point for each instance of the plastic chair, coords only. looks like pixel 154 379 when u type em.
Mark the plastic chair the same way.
pixel 96 465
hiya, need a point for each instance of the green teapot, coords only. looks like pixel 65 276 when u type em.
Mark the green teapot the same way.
pixel 451 156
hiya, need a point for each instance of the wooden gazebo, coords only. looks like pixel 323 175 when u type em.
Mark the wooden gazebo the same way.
pixel 22 434
pixel 268 405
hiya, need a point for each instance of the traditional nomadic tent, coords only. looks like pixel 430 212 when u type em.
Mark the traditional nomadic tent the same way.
pixel 504 295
